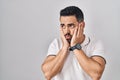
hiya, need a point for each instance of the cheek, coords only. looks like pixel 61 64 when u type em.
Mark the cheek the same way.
pixel 72 31
pixel 63 31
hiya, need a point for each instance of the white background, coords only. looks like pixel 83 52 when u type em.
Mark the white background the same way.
pixel 27 27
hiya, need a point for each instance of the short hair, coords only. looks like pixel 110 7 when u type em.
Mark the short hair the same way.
pixel 73 11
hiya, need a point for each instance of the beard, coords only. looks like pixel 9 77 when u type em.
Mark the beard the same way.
pixel 68 37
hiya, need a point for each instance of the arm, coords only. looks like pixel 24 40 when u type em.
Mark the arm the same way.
pixel 93 66
pixel 53 64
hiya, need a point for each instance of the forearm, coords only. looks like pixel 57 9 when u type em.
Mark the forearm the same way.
pixel 90 66
pixel 58 62
pixel 54 66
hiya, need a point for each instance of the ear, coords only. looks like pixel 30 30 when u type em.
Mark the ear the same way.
pixel 82 24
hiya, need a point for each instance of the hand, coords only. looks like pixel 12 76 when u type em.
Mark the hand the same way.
pixel 64 41
pixel 78 36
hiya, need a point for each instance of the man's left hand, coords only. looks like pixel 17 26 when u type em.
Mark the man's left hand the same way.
pixel 77 36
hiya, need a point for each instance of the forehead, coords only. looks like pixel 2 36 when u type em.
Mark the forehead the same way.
pixel 68 19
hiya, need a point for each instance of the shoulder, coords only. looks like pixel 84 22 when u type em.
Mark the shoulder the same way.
pixel 54 47
pixel 95 42
pixel 56 42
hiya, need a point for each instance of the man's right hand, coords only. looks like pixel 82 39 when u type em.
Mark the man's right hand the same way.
pixel 65 43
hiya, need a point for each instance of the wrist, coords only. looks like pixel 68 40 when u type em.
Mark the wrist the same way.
pixel 65 48
pixel 76 46
pixel 73 44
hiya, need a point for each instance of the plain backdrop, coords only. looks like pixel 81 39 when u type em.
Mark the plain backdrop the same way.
pixel 27 27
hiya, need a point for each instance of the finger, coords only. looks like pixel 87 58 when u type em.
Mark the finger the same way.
pixel 62 34
pixel 75 32
pixel 82 29
pixel 61 31
pixel 79 30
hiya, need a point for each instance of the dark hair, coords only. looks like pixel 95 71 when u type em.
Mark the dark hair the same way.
pixel 73 10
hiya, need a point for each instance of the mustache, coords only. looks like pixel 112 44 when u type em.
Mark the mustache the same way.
pixel 68 34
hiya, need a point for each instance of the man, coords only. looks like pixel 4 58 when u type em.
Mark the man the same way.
pixel 74 56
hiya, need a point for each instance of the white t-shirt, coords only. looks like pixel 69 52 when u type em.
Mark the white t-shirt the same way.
pixel 72 69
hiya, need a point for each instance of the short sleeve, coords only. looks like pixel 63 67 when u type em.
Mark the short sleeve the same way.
pixel 53 48
pixel 98 50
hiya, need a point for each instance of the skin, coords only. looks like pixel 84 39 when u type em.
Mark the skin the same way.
pixel 93 66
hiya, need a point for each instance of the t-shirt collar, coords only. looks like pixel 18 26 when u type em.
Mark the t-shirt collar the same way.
pixel 86 41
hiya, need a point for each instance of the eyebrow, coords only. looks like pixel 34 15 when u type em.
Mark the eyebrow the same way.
pixel 71 24
pixel 67 24
pixel 62 24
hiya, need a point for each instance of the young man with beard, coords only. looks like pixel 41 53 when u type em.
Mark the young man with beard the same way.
pixel 74 56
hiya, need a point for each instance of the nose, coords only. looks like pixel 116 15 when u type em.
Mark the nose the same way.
pixel 67 30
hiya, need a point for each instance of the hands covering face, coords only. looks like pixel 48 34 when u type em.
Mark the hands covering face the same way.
pixel 69 40
pixel 77 36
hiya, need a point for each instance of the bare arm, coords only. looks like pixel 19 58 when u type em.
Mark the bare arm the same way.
pixel 94 66
pixel 53 64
